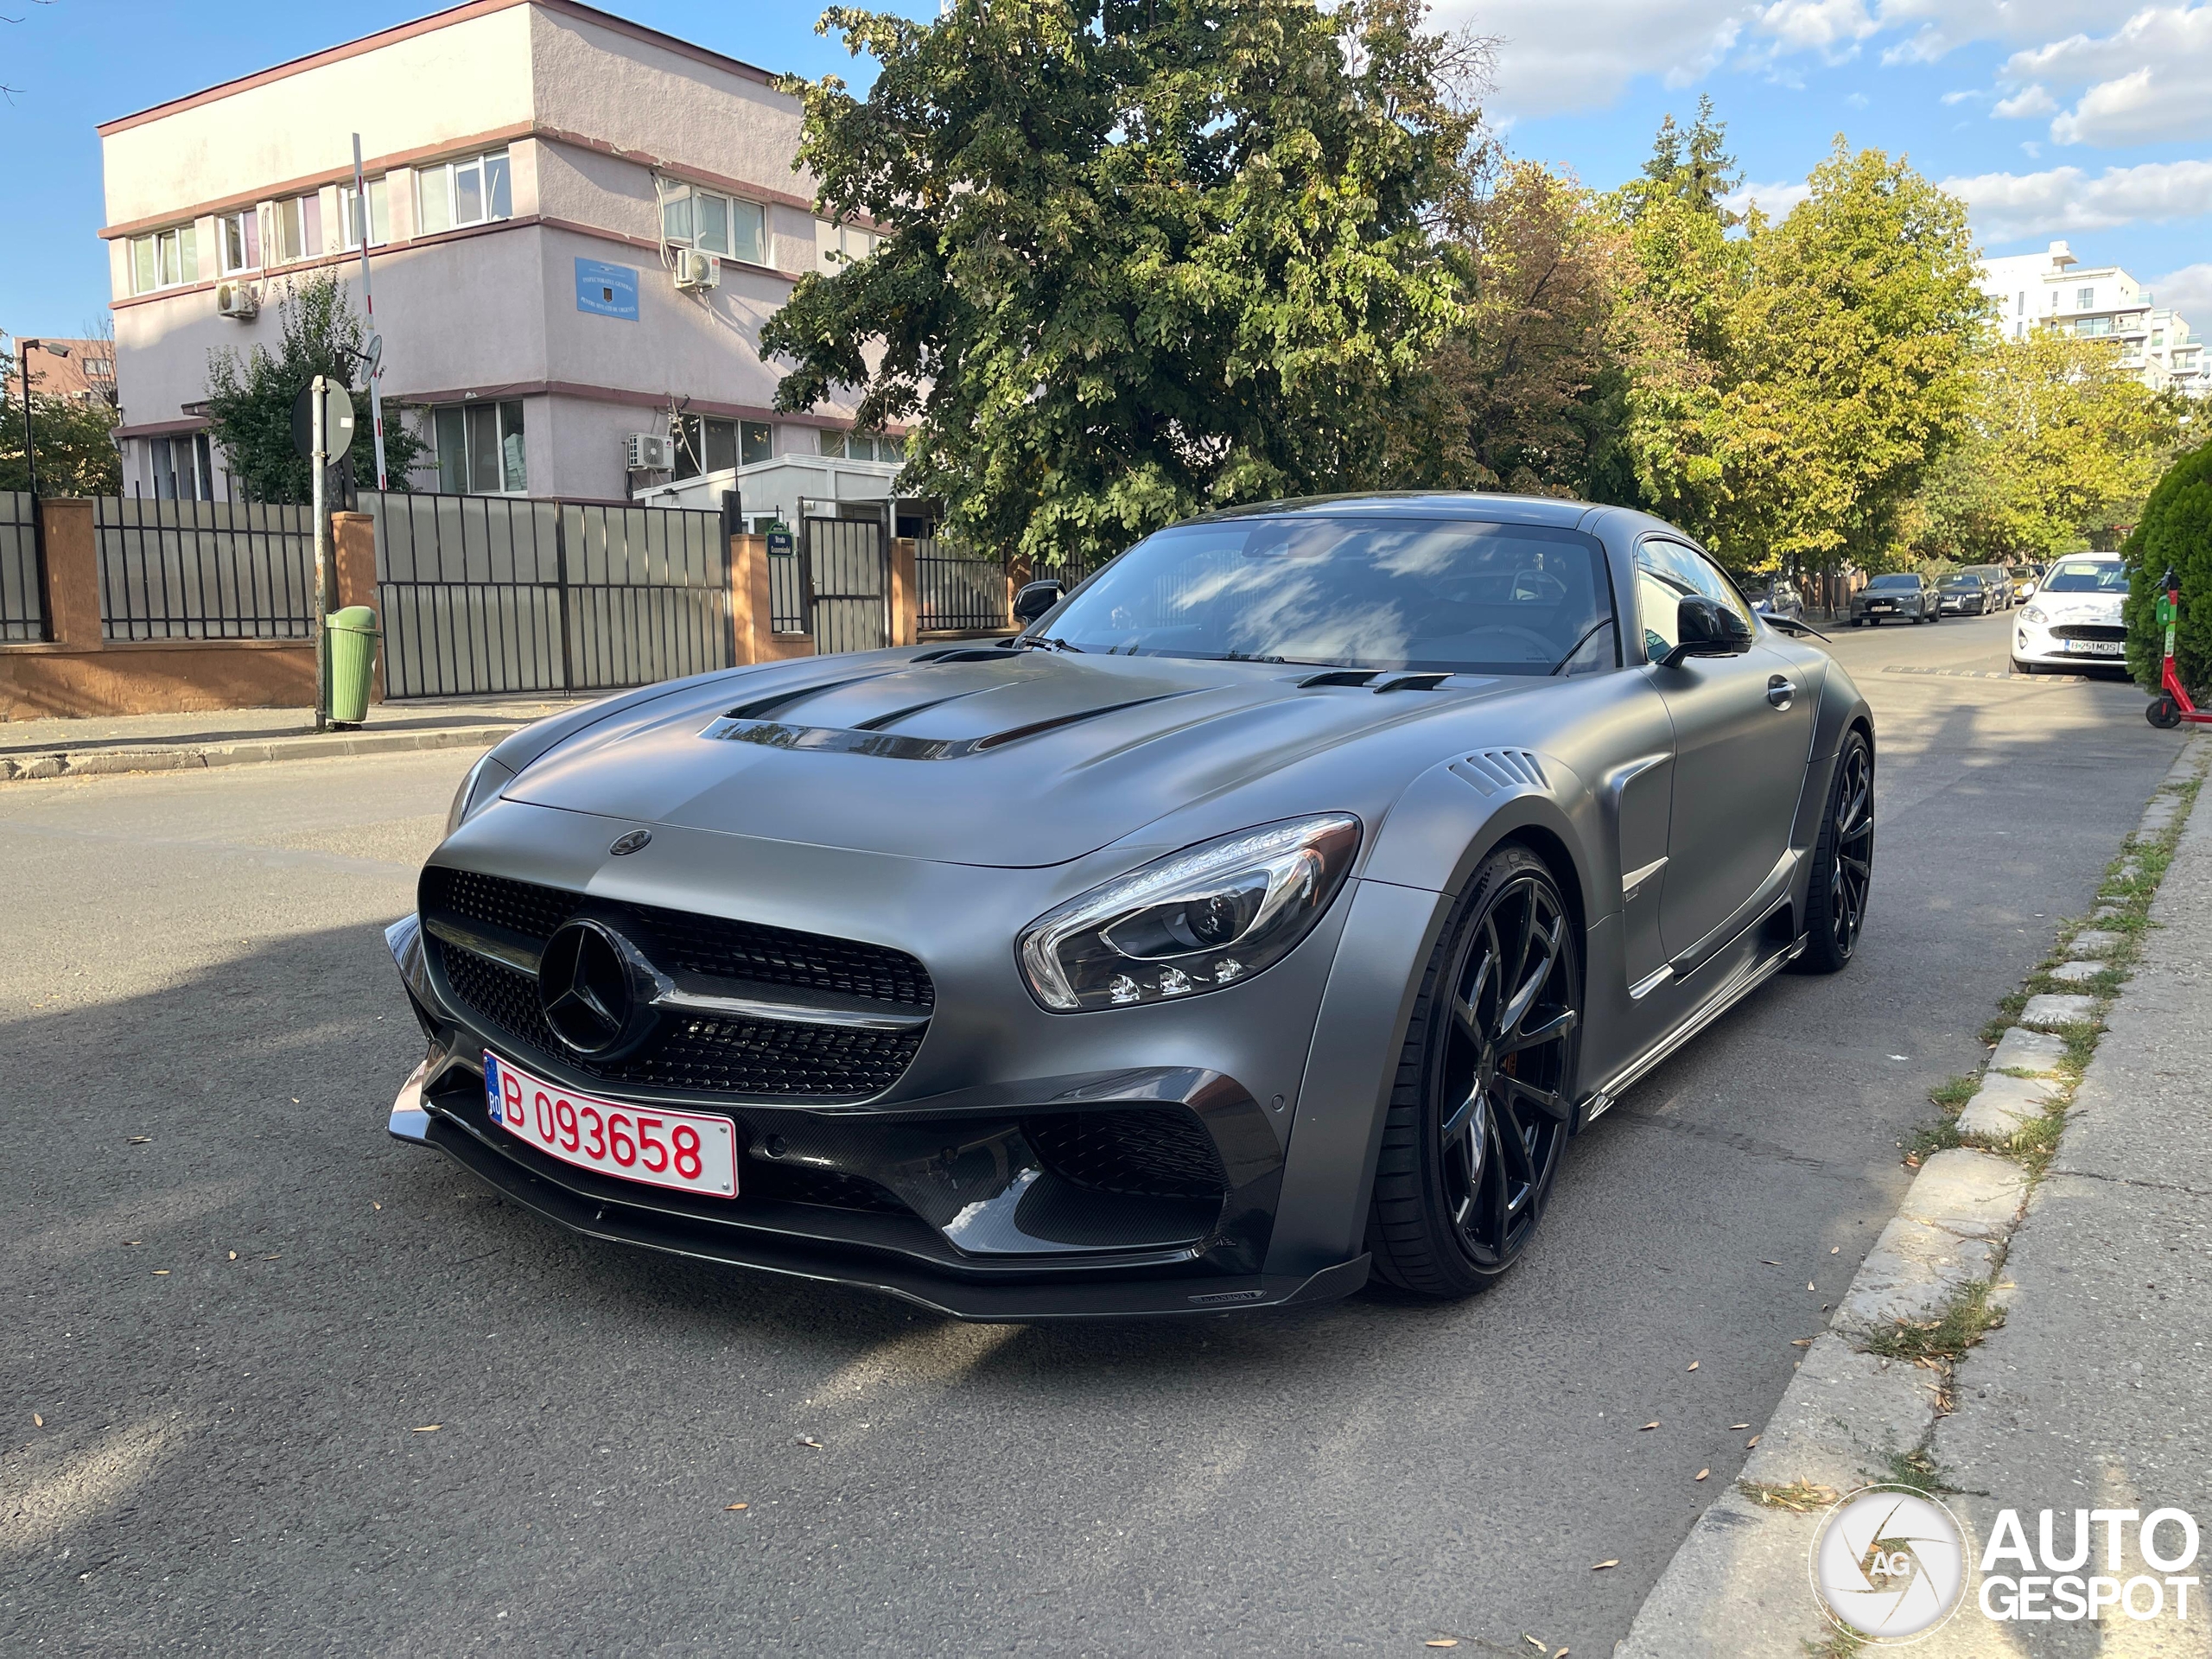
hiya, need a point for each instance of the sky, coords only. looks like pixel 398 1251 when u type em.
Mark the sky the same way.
pixel 2053 118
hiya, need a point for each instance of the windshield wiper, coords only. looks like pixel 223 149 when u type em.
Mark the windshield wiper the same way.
pixel 1045 641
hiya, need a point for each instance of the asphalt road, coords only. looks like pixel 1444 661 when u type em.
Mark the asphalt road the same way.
pixel 274 1383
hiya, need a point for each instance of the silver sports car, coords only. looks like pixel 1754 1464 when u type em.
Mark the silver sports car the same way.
pixel 1270 913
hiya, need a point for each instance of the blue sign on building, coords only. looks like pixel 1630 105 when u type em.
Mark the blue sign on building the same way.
pixel 607 291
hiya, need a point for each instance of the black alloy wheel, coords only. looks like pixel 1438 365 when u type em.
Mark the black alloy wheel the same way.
pixel 1481 1114
pixel 1843 861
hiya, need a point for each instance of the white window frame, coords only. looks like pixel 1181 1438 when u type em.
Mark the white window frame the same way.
pixel 839 245
pixel 168 248
pixel 291 212
pixel 445 180
pixel 680 226
pixel 246 222
pixel 503 434
pixel 379 216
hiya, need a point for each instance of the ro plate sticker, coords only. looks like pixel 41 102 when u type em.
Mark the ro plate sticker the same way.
pixel 492 1087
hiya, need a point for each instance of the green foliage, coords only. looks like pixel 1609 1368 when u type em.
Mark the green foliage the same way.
pixel 1792 388
pixel 1694 168
pixel 75 439
pixel 1143 257
pixel 2061 446
pixel 2176 533
pixel 249 399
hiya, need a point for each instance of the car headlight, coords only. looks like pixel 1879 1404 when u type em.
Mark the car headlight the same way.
pixel 478 790
pixel 2034 613
pixel 1197 920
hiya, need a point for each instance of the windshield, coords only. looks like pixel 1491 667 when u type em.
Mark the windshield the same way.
pixel 1889 583
pixel 2087 576
pixel 1359 592
pixel 1962 582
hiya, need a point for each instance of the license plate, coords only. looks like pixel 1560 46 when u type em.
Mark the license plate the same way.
pixel 2095 647
pixel 689 1151
pixel 1880 604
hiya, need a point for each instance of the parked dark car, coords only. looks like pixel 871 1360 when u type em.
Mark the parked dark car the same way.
pixel 1266 915
pixel 1967 593
pixel 1999 581
pixel 1888 599
pixel 1774 596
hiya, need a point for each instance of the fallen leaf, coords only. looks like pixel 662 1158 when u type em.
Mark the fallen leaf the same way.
pixel 430 1428
pixel 1654 1423
pixel 234 1256
pixel 160 1273
pixel 731 1509
pixel 1765 1263
pixel 1801 1342
pixel 1836 1250
pixel 296 1099
pixel 1692 1364
pixel 1702 1474
pixel 37 1421
pixel 1601 1565
pixel 1739 1424
pixel 809 1439
pixel 373 1205
pixel 1537 1645
pixel 1442 1642
pixel 1912 1160
pixel 140 1140
pixel 129 1241
pixel 1809 1285
pixel 271 1258
pixel 1748 1444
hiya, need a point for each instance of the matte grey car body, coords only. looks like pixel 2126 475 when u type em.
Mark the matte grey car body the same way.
pixel 928 805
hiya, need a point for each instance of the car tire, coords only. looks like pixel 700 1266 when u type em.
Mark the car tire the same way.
pixel 1843 861
pixel 1473 1137
pixel 2020 667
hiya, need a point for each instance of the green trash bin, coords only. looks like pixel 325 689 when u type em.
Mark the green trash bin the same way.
pixel 353 660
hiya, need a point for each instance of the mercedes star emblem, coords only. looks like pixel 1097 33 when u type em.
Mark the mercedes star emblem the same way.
pixel 584 986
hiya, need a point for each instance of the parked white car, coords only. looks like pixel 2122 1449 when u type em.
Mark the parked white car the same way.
pixel 2075 617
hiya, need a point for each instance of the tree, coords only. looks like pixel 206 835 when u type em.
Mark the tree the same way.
pixel 1526 393
pixel 1794 387
pixel 2063 443
pixel 2176 535
pixel 75 438
pixel 1694 168
pixel 249 399
pixel 1141 257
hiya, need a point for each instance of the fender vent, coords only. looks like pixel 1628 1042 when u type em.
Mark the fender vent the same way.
pixel 1494 770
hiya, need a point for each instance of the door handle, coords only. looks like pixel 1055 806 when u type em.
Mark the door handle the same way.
pixel 1780 690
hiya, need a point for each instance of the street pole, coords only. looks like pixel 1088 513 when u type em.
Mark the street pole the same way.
pixel 321 463
pixel 30 465
pixel 368 308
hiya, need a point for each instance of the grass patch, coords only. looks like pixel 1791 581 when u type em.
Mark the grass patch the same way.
pixel 1838 1644
pixel 1953 1095
pixel 1799 1497
pixel 2035 1143
pixel 1916 1469
pixel 1970 1317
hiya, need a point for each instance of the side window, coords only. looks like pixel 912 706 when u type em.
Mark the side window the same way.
pixel 1666 573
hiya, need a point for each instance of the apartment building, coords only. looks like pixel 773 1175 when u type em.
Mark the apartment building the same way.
pixel 82 371
pixel 2053 290
pixel 577 227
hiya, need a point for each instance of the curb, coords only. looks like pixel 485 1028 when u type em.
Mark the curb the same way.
pixel 1738 1584
pixel 92 763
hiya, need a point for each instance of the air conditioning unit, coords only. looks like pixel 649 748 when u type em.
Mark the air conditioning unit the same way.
pixel 238 299
pixel 696 272
pixel 652 452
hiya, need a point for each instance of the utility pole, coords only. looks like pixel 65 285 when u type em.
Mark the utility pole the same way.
pixel 23 349
pixel 368 308
pixel 320 463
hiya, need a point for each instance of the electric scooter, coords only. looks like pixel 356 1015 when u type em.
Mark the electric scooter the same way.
pixel 2171 706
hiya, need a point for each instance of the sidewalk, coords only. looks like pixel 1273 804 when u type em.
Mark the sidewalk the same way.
pixel 2094 1393
pixel 230 737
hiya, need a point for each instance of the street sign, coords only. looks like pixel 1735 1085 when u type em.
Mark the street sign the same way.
pixel 338 418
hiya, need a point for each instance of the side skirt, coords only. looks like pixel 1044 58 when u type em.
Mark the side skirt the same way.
pixel 1724 997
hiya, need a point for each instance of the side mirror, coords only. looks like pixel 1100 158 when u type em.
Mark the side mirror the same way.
pixel 1706 628
pixel 1031 599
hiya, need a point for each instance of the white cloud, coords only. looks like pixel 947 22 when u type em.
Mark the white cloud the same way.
pixel 1554 60
pixel 2189 291
pixel 1774 200
pixel 1950 98
pixel 2029 100
pixel 2142 84
pixel 1832 28
pixel 2008 206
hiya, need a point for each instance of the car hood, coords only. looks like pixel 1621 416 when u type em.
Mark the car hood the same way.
pixel 986 757
pixel 2081 608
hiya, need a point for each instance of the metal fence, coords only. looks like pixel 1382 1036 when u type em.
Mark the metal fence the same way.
pixel 958 591
pixel 491 594
pixel 786 588
pixel 849 594
pixel 23 593
pixel 204 569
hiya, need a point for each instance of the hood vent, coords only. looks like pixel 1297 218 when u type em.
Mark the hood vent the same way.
pixel 1496 769
pixel 1340 677
pixel 965 654
pixel 1412 682
pixel 733 727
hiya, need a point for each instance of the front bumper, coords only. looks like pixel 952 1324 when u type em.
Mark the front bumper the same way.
pixel 2038 642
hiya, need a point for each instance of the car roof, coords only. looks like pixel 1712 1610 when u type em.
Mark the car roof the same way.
pixel 2101 558
pixel 1418 503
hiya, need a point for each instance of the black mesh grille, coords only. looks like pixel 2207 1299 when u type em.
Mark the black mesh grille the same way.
pixel 2088 631
pixel 1161 1152
pixel 761 1058
pixel 678 943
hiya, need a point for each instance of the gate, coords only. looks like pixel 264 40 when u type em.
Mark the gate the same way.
pixel 481 594
pixel 849 589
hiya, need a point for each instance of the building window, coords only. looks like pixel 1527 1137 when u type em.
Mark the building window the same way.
pixel 693 218
pixel 480 448
pixel 165 259
pixel 349 214
pixel 863 446
pixel 704 445
pixel 839 245
pixel 183 467
pixel 2021 309
pixel 2084 298
pixel 238 236
pixel 474 192
pixel 298 226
